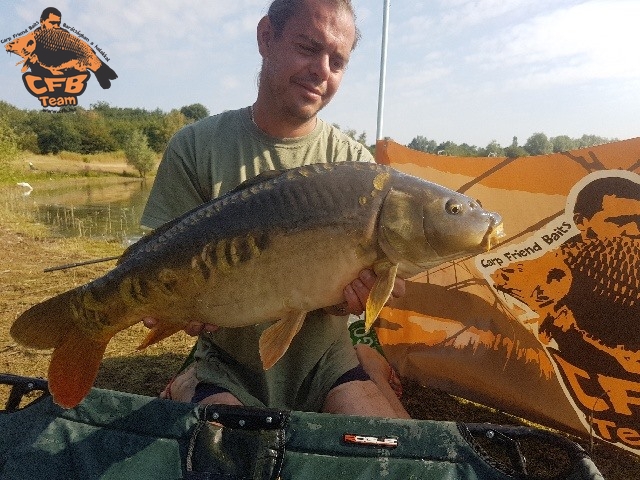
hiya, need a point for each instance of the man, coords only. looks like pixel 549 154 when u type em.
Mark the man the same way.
pixel 587 296
pixel 50 18
pixel 305 47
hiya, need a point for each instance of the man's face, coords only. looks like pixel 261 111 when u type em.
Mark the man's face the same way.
pixel 619 217
pixel 302 69
pixel 53 21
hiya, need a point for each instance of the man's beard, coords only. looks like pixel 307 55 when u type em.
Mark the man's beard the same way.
pixel 279 92
pixel 605 292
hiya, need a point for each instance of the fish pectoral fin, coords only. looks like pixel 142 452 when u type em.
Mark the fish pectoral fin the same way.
pixel 379 294
pixel 276 339
pixel 159 332
pixel 74 367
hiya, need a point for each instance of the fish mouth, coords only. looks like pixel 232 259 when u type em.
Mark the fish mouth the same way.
pixel 494 233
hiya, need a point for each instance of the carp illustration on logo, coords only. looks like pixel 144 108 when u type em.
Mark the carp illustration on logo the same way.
pixel 580 295
pixel 57 63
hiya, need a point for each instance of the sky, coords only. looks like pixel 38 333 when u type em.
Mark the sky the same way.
pixel 467 71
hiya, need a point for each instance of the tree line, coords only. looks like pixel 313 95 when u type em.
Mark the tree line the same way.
pixel 536 144
pixel 143 134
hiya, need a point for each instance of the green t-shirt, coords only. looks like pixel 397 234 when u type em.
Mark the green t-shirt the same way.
pixel 207 159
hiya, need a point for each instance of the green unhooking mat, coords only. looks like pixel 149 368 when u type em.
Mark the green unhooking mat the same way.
pixel 114 435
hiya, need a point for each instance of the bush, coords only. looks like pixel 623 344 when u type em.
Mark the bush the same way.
pixel 9 150
pixel 138 153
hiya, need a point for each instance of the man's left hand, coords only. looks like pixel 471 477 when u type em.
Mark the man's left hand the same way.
pixel 357 292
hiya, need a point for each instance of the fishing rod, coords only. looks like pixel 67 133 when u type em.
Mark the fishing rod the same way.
pixel 78 264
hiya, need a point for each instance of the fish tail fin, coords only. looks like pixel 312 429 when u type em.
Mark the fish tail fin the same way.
pixel 76 356
pixel 276 339
pixel 45 325
pixel 104 75
pixel 74 367
pixel 159 332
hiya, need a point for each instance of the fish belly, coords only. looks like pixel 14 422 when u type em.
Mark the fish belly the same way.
pixel 297 272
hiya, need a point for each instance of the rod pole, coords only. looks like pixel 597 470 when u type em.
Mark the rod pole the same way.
pixel 383 67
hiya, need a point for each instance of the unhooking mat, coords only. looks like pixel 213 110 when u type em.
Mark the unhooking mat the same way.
pixel 113 435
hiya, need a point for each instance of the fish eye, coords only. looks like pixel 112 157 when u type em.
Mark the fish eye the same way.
pixel 453 207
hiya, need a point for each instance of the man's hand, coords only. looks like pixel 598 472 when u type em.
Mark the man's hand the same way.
pixel 357 292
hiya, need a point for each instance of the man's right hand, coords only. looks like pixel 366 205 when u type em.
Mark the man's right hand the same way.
pixel 192 328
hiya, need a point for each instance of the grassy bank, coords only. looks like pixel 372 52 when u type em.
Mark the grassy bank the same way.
pixel 30 167
pixel 29 249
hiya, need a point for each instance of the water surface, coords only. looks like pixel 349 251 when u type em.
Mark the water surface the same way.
pixel 108 207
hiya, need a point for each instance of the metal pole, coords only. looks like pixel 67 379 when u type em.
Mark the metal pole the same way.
pixel 383 67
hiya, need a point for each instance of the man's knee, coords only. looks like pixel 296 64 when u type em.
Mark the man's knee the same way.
pixel 223 398
pixel 185 387
pixel 182 387
pixel 360 397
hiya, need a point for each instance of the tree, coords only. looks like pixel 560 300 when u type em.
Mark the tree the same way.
pixel 538 144
pixel 57 132
pixel 352 133
pixel 194 112
pixel 8 144
pixel 493 149
pixel 514 151
pixel 138 153
pixel 563 143
pixel 161 127
pixel 453 149
pixel 95 134
pixel 466 150
pixel 591 140
pixel 422 144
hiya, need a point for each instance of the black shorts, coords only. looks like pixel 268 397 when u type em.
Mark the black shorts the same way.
pixel 204 390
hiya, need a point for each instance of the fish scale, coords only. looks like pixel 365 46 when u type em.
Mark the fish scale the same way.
pixel 58 40
pixel 278 246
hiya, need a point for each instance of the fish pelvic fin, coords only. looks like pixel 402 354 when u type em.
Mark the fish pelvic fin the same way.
pixel 159 332
pixel 46 324
pixel 276 339
pixel 379 294
pixel 74 367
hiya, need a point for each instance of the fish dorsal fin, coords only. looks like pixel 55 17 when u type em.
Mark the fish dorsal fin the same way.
pixel 151 236
pixel 276 339
pixel 380 292
pixel 260 178
pixel 133 248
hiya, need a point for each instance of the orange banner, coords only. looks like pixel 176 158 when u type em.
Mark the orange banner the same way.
pixel 547 324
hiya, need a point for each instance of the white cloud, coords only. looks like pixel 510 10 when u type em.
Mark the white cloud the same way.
pixel 593 40
pixel 461 14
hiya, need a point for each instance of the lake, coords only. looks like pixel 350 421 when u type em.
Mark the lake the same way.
pixel 106 207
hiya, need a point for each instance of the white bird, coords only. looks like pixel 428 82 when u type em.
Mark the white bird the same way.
pixel 27 186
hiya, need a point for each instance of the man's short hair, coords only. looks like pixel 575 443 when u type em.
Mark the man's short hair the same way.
pixel 48 11
pixel 589 199
pixel 280 11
